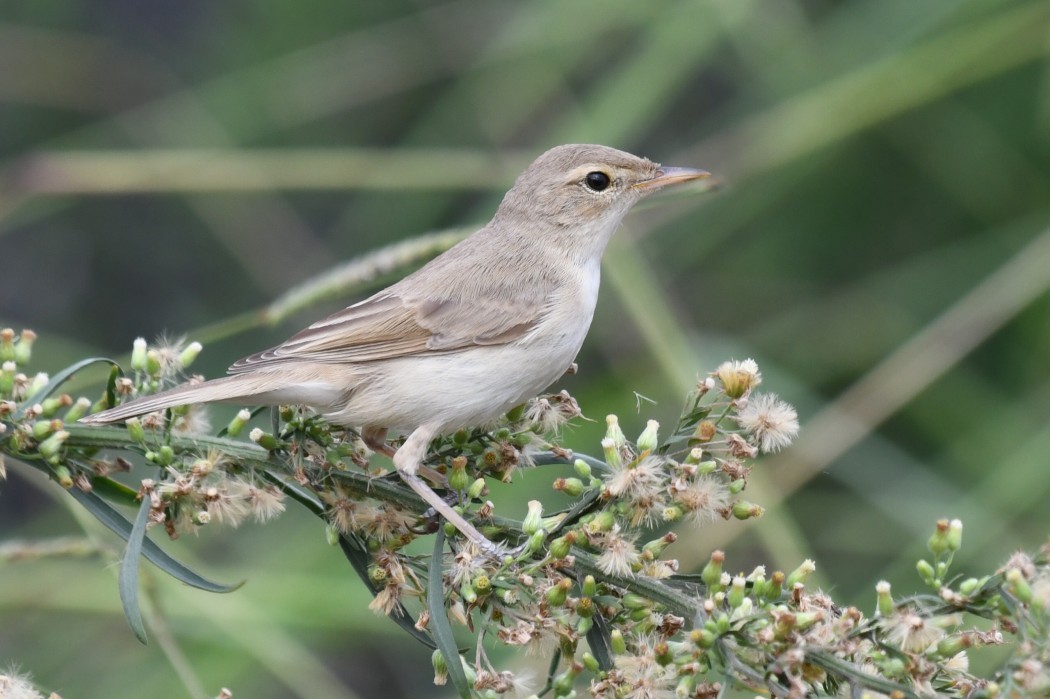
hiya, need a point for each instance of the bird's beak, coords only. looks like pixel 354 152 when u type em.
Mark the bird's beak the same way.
pixel 671 175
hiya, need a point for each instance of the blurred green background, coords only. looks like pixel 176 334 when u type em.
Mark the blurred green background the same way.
pixel 881 247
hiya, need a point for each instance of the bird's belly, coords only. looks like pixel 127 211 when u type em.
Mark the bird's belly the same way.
pixel 456 390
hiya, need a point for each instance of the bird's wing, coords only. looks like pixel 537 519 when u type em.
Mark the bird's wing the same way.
pixel 390 325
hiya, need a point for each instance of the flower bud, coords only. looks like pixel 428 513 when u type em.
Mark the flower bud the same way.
pixel 24 349
pixel 703 638
pixel 737 591
pixel 656 547
pixel 583 469
pixel 938 543
pixel 883 599
pixel 712 571
pixel 925 571
pixel 78 410
pixel 585 607
pixel 775 585
pixel 695 456
pixel 573 487
pixel 153 362
pixel 165 455
pixel 7 377
pixel 612 454
pixel 560 547
pixel 613 431
pixel 746 608
pixel 437 660
pixel 558 593
pixel 617 642
pixel 188 355
pixel 37 384
pixel 804 620
pixel 7 345
pixel 742 509
pixel 458 478
pixel 466 591
pixel 238 422
pixel 534 519
pixel 590 662
pixel 52 446
pixel 634 601
pixel 138 354
pixel 705 467
pixel 50 406
pixel 63 476
pixel 759 585
pixel 802 573
pixel 1016 584
pixel 535 542
pixel 662 653
pixel 672 513
pixel 42 428
pixel 649 438
pixel 953 645
pixel 476 489
pixel 602 521
pixel 955 528
pixel 135 429
pixel 264 439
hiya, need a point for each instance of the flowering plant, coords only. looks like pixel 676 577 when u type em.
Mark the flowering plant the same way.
pixel 590 584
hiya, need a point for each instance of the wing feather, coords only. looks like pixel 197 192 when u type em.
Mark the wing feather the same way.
pixel 390 325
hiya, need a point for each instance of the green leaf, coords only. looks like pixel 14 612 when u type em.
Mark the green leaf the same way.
pixel 439 623
pixel 128 580
pixel 600 642
pixel 355 551
pixel 114 491
pixel 119 525
pixel 59 379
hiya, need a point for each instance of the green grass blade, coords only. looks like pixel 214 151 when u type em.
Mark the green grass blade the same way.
pixel 439 623
pixel 600 642
pixel 59 379
pixel 128 580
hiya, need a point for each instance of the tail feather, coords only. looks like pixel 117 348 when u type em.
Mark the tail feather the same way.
pixel 229 388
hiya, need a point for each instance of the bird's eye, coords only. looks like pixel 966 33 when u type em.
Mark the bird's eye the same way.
pixel 596 181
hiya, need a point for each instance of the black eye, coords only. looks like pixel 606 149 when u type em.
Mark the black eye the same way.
pixel 596 181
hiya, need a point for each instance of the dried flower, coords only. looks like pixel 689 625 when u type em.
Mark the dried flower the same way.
pixel 771 421
pixel 619 554
pixel 738 377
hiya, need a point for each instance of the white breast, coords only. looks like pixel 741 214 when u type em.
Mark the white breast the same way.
pixel 472 387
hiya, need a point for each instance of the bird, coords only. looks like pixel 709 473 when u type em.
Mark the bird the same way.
pixel 480 329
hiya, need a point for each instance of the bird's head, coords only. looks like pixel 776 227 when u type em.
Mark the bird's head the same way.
pixel 588 186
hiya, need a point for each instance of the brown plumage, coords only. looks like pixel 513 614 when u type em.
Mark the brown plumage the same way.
pixel 481 328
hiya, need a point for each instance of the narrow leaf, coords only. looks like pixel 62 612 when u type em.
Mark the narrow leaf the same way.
pixel 120 526
pixel 600 642
pixel 59 379
pixel 128 580
pixel 114 491
pixel 439 623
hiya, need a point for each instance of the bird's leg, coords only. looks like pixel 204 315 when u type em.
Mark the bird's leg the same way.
pixel 407 460
pixel 375 439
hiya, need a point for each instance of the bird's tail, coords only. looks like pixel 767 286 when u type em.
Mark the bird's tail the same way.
pixel 227 389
